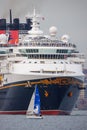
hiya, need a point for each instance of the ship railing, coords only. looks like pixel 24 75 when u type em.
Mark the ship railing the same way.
pixel 41 44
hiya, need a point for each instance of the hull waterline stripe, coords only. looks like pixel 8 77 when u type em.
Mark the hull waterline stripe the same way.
pixel 43 112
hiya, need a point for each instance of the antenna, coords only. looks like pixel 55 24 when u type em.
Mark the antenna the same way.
pixel 10 17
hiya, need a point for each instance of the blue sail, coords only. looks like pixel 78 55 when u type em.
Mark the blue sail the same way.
pixel 37 101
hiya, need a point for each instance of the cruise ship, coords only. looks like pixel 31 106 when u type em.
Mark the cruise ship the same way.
pixel 54 65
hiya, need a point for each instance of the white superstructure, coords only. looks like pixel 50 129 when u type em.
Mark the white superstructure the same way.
pixel 46 56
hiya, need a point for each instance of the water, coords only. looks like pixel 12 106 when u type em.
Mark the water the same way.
pixel 77 121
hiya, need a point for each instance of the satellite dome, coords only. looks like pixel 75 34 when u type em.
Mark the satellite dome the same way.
pixel 2 36
pixel 53 31
pixel 65 38
pixel 3 39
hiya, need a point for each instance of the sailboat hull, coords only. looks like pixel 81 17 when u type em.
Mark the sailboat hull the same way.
pixel 57 95
pixel 34 117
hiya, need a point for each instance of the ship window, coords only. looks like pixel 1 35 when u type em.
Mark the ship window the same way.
pixel 45 56
pixel 66 62
pixel 11 50
pixel 32 50
pixel 42 62
pixel 2 52
pixel 61 51
pixel 28 50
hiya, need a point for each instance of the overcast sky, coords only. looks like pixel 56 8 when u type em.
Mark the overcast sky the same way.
pixel 69 16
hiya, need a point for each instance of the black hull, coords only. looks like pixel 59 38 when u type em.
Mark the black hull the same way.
pixel 57 95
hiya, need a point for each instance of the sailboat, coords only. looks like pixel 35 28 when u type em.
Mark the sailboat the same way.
pixel 34 106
